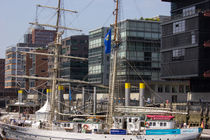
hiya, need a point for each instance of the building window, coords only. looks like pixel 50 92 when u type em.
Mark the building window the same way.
pixel 167 88
pixel 95 69
pixel 174 89
pixel 74 48
pixel 179 26
pixel 189 11
pixel 160 88
pixel 178 54
pixel 174 98
pixel 181 88
pixel 193 39
pixel 187 89
pixel 107 58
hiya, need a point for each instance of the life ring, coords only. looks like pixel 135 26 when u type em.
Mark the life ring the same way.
pixel 85 127
pixel 3 133
pixel 146 124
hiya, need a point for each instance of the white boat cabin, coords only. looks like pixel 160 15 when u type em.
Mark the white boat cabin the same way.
pixel 160 124
pixel 135 125
pixel 80 125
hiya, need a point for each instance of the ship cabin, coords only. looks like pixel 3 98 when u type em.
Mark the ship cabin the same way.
pixel 71 126
pixel 137 124
pixel 81 125
pixel 159 122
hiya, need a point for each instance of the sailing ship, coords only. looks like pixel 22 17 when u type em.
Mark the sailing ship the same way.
pixel 143 127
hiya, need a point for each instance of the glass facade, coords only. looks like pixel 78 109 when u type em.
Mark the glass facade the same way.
pixel 138 53
pixel 98 61
pixel 72 68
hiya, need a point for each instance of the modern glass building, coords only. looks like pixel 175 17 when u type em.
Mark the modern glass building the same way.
pixel 98 61
pixel 138 60
pixel 71 68
pixel 138 53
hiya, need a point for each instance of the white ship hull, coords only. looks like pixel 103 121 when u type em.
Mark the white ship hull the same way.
pixel 26 133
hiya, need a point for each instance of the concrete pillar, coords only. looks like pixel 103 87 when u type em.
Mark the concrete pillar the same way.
pixel 127 93
pixel 164 87
pixel 170 88
pixel 185 89
pixel 94 101
pixel 156 88
pixel 83 98
pixel 60 100
pixel 49 92
pixel 20 96
pixel 141 94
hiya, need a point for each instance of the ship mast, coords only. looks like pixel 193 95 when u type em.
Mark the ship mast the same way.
pixel 55 69
pixel 114 66
pixel 57 44
pixel 55 79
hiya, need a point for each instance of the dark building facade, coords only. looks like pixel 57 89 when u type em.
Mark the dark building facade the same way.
pixel 5 94
pixel 185 43
pixel 2 73
pixel 76 45
pixel 71 68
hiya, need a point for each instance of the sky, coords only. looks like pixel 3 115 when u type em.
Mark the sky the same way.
pixel 15 15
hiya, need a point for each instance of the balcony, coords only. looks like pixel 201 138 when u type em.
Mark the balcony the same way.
pixel 207 74
pixel 206 13
pixel 206 43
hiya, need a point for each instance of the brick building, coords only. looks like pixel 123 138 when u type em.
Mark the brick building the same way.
pixel 42 36
pixel 37 66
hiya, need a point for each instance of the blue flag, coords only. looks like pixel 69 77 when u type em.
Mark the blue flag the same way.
pixel 70 98
pixel 107 42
